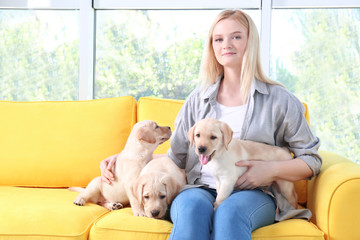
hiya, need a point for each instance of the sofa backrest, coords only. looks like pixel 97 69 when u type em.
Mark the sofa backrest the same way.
pixel 60 144
pixel 164 112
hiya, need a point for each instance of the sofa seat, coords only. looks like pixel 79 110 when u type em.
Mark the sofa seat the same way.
pixel 294 229
pixel 44 213
pixel 122 224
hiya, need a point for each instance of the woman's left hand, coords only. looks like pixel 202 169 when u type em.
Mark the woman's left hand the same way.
pixel 258 174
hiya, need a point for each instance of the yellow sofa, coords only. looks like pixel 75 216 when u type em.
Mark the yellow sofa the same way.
pixel 46 147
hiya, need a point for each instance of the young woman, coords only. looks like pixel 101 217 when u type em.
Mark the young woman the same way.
pixel 234 89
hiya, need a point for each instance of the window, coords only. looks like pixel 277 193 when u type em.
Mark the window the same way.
pixel 151 52
pixel 39 55
pixel 315 53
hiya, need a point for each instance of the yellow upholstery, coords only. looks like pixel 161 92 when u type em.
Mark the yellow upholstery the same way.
pixel 306 114
pixel 60 144
pixel 294 229
pixel 334 197
pixel 122 224
pixel 66 140
pixel 39 213
pixel 162 111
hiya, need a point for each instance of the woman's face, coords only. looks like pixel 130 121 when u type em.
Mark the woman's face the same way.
pixel 229 42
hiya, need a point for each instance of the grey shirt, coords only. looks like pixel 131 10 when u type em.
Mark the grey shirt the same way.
pixel 274 116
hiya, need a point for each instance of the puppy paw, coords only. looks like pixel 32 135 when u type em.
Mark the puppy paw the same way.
pixel 117 206
pixel 139 213
pixel 216 205
pixel 79 202
pixel 112 205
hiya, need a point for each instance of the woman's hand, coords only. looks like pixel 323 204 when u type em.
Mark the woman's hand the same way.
pixel 106 167
pixel 258 174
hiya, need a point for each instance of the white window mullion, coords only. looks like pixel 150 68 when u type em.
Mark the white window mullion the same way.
pixel 87 50
pixel 315 4
pixel 265 38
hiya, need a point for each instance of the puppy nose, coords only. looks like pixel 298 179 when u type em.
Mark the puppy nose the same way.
pixel 155 213
pixel 201 149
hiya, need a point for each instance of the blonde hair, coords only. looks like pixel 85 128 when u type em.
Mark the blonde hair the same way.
pixel 211 69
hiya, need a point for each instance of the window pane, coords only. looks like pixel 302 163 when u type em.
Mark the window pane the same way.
pixel 316 54
pixel 150 53
pixel 39 55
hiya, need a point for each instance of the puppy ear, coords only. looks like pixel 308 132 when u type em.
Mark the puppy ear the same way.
pixel 191 135
pixel 172 188
pixel 145 135
pixel 227 133
pixel 137 190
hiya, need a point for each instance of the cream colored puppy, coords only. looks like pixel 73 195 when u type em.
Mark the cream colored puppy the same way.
pixel 215 146
pixel 144 138
pixel 158 184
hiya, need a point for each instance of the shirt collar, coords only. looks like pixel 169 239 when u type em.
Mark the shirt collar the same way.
pixel 256 85
pixel 211 91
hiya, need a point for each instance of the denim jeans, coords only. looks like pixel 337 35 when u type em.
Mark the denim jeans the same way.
pixel 241 213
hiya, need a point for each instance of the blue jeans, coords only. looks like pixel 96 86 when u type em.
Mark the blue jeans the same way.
pixel 193 216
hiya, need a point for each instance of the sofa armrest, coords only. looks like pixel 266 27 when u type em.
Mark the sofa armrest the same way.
pixel 333 197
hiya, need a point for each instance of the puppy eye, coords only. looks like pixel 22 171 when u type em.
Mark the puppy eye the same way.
pixel 157 126
pixel 146 197
pixel 213 137
pixel 197 135
pixel 162 196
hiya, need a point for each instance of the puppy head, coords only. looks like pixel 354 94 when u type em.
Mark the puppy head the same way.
pixel 155 194
pixel 150 132
pixel 210 136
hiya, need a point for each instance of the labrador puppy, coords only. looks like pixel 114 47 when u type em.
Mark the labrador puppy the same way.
pixel 214 145
pixel 158 184
pixel 144 138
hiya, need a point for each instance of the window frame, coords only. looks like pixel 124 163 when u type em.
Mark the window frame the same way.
pixel 183 4
pixel 40 4
pixel 87 21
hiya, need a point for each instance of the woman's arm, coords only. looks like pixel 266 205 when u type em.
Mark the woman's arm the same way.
pixel 262 173
pixel 279 120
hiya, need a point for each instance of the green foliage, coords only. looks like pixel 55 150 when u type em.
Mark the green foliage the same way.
pixel 327 76
pixel 28 70
pixel 130 61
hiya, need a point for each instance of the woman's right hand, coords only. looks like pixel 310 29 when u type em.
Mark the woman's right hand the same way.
pixel 106 167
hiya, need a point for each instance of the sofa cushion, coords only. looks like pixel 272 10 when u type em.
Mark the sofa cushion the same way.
pixel 60 144
pixel 292 229
pixel 122 224
pixel 44 213
pixel 162 111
